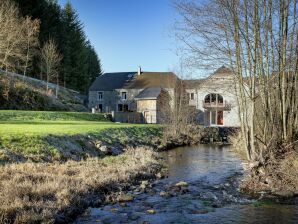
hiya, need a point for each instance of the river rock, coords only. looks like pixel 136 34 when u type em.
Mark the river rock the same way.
pixel 114 210
pixel 104 149
pixel 151 211
pixel 285 194
pixel 181 184
pixel 158 175
pixel 144 184
pixel 164 194
pixel 125 198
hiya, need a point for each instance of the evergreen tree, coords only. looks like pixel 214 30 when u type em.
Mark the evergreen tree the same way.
pixel 80 64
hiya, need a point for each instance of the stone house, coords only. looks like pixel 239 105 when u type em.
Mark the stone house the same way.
pixel 133 92
pixel 150 93
pixel 215 99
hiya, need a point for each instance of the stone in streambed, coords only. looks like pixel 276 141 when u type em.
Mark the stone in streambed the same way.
pixel 151 211
pixel 164 194
pixel 285 194
pixel 144 184
pixel 181 184
pixel 125 198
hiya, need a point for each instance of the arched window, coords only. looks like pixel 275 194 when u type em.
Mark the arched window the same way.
pixel 213 98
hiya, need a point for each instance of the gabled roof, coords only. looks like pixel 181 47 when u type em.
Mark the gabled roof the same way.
pixel 193 83
pixel 150 93
pixel 222 71
pixel 152 79
pixel 111 81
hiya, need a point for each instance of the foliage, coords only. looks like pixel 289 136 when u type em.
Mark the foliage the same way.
pixel 80 63
pixel 18 35
pixel 258 40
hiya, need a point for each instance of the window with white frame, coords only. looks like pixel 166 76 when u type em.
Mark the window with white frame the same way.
pixel 192 96
pixel 100 96
pixel 123 95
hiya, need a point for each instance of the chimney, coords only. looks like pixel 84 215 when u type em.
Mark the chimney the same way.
pixel 139 70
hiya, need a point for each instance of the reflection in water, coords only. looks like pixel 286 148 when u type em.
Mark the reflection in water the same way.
pixel 208 170
pixel 213 163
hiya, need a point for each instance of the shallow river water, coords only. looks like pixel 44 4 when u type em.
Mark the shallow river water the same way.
pixel 212 174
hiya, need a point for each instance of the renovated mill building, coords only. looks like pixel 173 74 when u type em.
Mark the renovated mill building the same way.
pixel 145 97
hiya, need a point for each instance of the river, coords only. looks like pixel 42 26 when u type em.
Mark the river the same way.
pixel 212 174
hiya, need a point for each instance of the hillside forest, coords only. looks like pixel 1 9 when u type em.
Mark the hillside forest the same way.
pixel 41 39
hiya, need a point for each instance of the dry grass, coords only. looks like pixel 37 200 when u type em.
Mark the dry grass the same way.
pixel 288 171
pixel 34 193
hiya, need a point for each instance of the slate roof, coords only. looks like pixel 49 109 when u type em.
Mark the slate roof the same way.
pixel 149 93
pixel 111 81
pixel 193 83
pixel 152 79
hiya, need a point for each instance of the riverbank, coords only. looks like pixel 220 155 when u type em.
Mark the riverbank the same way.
pixel 53 165
pixel 276 176
pixel 57 193
pixel 201 186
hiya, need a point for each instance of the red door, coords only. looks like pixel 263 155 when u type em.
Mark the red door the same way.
pixel 219 117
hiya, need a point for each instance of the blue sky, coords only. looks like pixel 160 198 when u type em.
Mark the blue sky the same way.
pixel 130 33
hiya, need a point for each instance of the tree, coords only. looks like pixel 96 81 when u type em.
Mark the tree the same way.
pixel 78 66
pixel 31 31
pixel 259 40
pixel 50 61
pixel 93 64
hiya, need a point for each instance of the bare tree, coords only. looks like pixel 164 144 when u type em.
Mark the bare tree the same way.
pixel 259 40
pixel 11 35
pixel 50 61
pixel 30 31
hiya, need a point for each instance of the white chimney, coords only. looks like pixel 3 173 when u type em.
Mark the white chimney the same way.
pixel 139 70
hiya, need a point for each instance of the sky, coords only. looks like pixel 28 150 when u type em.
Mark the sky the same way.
pixel 130 33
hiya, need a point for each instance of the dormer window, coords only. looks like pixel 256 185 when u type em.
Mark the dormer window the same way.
pixel 123 95
pixel 100 96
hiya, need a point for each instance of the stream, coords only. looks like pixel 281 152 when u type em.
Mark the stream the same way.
pixel 207 192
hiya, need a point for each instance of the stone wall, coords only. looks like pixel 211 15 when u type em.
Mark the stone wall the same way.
pixel 220 85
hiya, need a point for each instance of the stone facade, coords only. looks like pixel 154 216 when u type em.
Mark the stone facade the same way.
pixel 214 98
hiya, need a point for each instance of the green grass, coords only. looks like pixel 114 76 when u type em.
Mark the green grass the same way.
pixel 43 135
pixel 57 123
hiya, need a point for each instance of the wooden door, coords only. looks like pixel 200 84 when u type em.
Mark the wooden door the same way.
pixel 219 117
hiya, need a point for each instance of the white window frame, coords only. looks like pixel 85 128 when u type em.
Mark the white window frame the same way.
pixel 190 94
pixel 100 99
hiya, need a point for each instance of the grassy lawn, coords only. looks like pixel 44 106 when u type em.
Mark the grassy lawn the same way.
pixel 58 123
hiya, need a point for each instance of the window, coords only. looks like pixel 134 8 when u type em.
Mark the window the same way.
pixel 122 107
pixel 214 98
pixel 100 95
pixel 213 117
pixel 192 96
pixel 123 95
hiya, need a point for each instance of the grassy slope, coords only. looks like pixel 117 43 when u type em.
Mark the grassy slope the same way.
pixel 48 136
pixel 19 94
